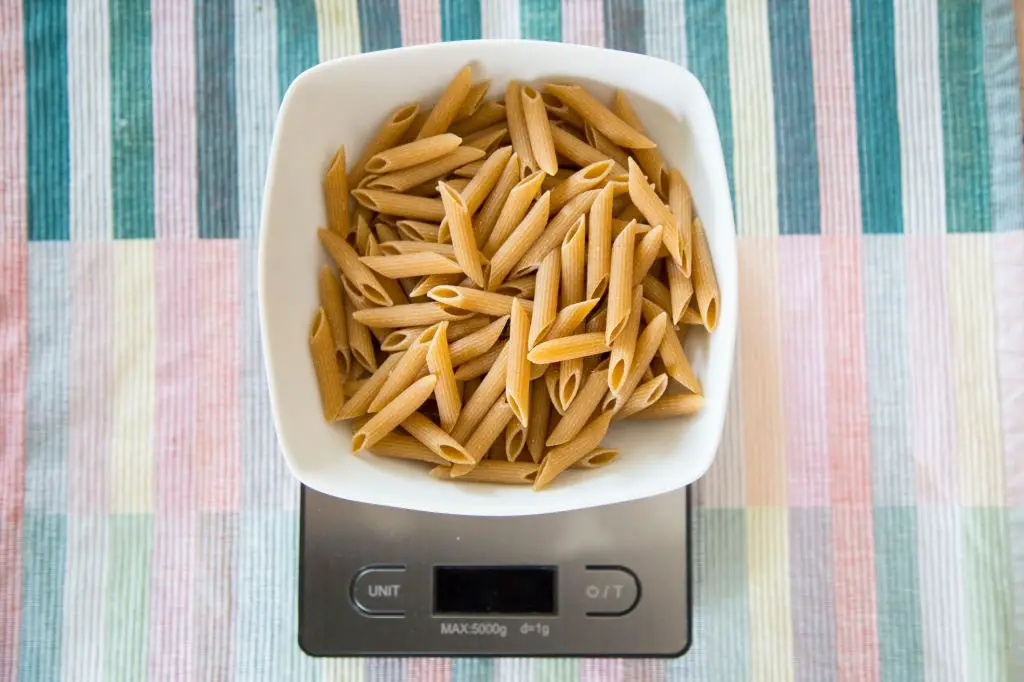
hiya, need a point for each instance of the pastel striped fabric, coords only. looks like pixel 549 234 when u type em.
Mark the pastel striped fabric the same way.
pixel 864 519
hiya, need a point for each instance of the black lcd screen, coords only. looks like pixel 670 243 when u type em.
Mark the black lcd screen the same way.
pixel 512 590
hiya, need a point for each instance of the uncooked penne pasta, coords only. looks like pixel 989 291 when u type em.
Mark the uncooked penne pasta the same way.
pixel 585 179
pixel 672 406
pixel 448 105
pixel 485 116
pixel 540 415
pixel 517 126
pixel 484 181
pixel 579 412
pixel 407 178
pixel 331 300
pixel 446 393
pixel 398 446
pixel 545 300
pixel 551 387
pixel 552 181
pixel 487 217
pixel 355 272
pixel 469 170
pixel 487 427
pixel 488 139
pixel 402 376
pixel 435 438
pixel 385 232
pixel 680 202
pixel 573 266
pixel 645 395
pixel 463 239
pixel 351 387
pixel 578 151
pixel 510 240
pixel 646 253
pixel 390 132
pixel 475 300
pixel 489 471
pixel 430 281
pixel 691 316
pixel 477 343
pixel 515 439
pixel 404 315
pixel 680 289
pixel 552 237
pixel 402 246
pixel 705 283
pixel 564 456
pixel 625 345
pixel 566 322
pixel 601 117
pixel 480 365
pixel 672 355
pixel 415 230
pixel 336 194
pixel 522 287
pixel 654 210
pixel 400 339
pixel 411 265
pixel 393 414
pixel 413 153
pixel 517 381
pixel 598 457
pixel 600 142
pixel 359 341
pixel 599 244
pixel 404 205
pixel 483 398
pixel 559 110
pixel 538 130
pixel 657 293
pixel 646 346
pixel 620 282
pixel 514 211
pixel 569 347
pixel 474 98
pixel 650 160
pixel 325 364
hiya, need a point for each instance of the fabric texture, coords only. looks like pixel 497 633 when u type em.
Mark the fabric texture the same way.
pixel 864 519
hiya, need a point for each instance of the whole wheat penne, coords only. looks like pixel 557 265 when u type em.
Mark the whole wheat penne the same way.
pixel 398 446
pixel 672 355
pixel 630 212
pixel 487 427
pixel 582 408
pixel 348 262
pixel 358 236
pixel 680 203
pixel 564 456
pixel 545 300
pixel 492 386
pixel 515 210
pixel 385 231
pixel 646 346
pixel 489 471
pixel 400 339
pixel 678 405
pixel 645 395
pixel 583 180
pixel 405 205
pixel 691 316
pixel 402 376
pixel 336 194
pixel 654 210
pixel 487 217
pixel 577 151
pixel 515 439
pixel 325 363
pixel 601 117
pixel 705 283
pixel 657 293
pixel 568 347
pixel 550 381
pixel 416 230
pixel 448 105
pixel 407 178
pixel 620 282
pixel 390 132
pixel 463 239
pixel 477 343
pixel 599 320
pixel 596 458
pixel 651 162
pixel 446 393
pixel 405 315
pixel 487 115
pixel 480 365
pixel 359 341
pixel 566 323
pixel 559 110
pixel 552 181
pixel 475 300
pixel 489 138
pixel 469 170
pixel 599 244
pixel 517 126
pixel 646 253
pixel 393 414
pixel 427 283
pixel 538 130
pixel 621 359
pixel 511 251
pixel 474 98
pixel 680 288
pixel 331 300
pixel 412 153
pixel 484 181
pixel 435 438
pixel 402 246
pixel 540 415
pixel 517 381
pixel 351 387
pixel 555 232
pixel 573 264
pixel 599 141
pixel 522 287
pixel 411 265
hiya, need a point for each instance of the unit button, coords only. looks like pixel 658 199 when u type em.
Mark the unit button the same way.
pixel 380 591
pixel 610 591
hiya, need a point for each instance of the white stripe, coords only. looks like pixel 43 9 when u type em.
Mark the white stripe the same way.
pixel 85 582
pixel 499 19
pixel 665 28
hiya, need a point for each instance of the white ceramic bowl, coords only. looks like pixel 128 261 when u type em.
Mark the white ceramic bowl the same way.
pixel 343 102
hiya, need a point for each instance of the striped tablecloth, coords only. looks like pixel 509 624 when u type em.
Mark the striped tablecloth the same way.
pixel 865 517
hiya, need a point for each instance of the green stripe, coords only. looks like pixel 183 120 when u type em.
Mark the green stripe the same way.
pixel 296 40
pixel 460 19
pixel 46 114
pixel 557 669
pixel 127 606
pixel 964 127
pixel 541 19
pixel 900 651
pixel 472 670
pixel 986 595
pixel 131 126
pixel 44 538
pixel 624 25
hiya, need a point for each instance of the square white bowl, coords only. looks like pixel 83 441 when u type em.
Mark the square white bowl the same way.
pixel 343 102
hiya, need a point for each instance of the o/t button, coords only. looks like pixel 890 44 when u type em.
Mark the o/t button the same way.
pixel 380 591
pixel 610 591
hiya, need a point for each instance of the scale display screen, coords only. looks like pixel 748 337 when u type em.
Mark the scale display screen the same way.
pixel 495 590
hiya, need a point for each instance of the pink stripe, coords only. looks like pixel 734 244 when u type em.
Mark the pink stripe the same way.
pixel 643 670
pixel 601 670
pixel 835 117
pixel 217 442
pixel 174 120
pixel 430 669
pixel 583 22
pixel 803 370
pixel 91 376
pixel 13 375
pixel 853 573
pixel 933 433
pixel 13 179
pixel 171 637
pixel 421 21
pixel 1008 262
pixel 213 599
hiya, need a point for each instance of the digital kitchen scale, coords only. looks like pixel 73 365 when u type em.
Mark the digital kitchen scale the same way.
pixel 605 581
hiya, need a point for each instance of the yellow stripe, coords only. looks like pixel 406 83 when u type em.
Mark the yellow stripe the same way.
pixel 343 670
pixel 337 28
pixel 771 628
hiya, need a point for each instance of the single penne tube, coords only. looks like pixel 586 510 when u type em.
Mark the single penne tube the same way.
pixel 404 205
pixel 430 281
pixel 487 427
pixel 620 281
pixel 598 320
pixel 566 323
pixel 598 457
pixel 488 139
pixel 598 115
pixel 680 203
pixel 538 130
pixel 415 314
pixel 358 236
pixel 680 289
pixel 515 439
pixel 583 180
pixel 355 272
pixel 463 238
pixel 411 265
pixel 335 188
pixel 480 365
pixel 650 160
pixel 654 210
pixel 478 342
pixel 552 181
pixel 514 211
pixel 517 381
pixel 351 387
pixel 555 232
pixel 619 225
pixel 562 457
pixel 446 393
pixel 517 126
pixel 435 438
pixel 646 394
pixel 393 414
pixel 487 217
pixel 537 425
pixel 582 408
pixel 402 376
pixel 398 446
pixel 668 406
pixel 475 300
pixel 573 264
pixel 388 135
pixel 705 282
pixel 518 243
pixel 599 244
pixel 599 141
pixel 474 98
pixel 646 253
pixel 485 116
pixel 416 230
pixel 492 386
pixel 550 381
pixel 545 300
pixel 691 316
pixel 647 346
pixel 412 153
pixel 489 471
pixel 484 181
pixel 570 373
pixel 468 388
pixel 359 341
pixel 657 293
pixel 386 232
pixel 522 287
pixel 578 151
pixel 671 353
pixel 559 110
pixel 401 339
pixel 469 170
pixel 332 302
pixel 448 105
pixel 325 364
pixel 402 246
pixel 621 359
pixel 569 347
pixel 406 179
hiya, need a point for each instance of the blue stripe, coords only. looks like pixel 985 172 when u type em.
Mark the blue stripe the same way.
pixel 44 543
pixel 46 114
pixel 900 650
pixel 380 25
pixel 878 135
pixel 217 123
pixel 624 25
pixel 796 149
pixel 541 19
pixel 460 19
pixel 386 669
pixel 297 48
